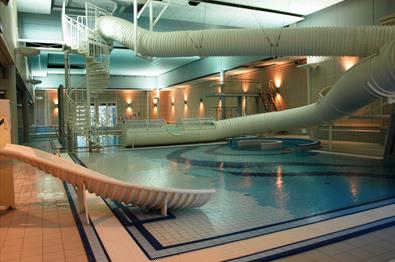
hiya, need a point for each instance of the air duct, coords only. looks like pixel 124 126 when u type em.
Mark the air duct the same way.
pixel 316 41
pixel 371 78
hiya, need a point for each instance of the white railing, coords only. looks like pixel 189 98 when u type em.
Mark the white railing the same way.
pixel 79 32
pixel 147 124
pixel 92 12
pixel 193 123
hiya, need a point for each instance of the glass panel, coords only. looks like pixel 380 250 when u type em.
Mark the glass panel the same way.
pixel 93 116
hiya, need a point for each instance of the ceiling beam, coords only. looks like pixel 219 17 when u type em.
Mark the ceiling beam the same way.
pixel 255 8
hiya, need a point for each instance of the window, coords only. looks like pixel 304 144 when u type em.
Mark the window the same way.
pixel 105 115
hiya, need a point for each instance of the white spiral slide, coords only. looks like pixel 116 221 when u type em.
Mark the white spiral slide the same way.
pixel 107 187
pixel 373 77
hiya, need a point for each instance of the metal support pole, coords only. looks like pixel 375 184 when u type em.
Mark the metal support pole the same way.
pixel 148 3
pixel 70 137
pixel 135 25
pixel 25 116
pixel 88 108
pixel 151 17
pixel 61 115
pixel 160 14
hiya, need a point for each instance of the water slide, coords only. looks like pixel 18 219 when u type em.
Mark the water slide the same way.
pixel 104 186
pixel 373 77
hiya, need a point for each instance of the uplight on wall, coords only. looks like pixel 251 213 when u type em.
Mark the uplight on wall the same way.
pixel 155 101
pixel 348 61
pixel 277 83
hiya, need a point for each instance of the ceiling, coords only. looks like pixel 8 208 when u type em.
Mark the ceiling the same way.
pixel 178 16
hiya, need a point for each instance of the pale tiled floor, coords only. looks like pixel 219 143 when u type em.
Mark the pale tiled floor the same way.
pixel 42 227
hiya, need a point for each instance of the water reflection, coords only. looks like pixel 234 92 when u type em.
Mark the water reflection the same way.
pixel 279 180
pixel 281 197
pixel 354 188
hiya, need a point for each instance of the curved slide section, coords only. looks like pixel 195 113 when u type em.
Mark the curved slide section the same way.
pixel 373 77
pixel 107 187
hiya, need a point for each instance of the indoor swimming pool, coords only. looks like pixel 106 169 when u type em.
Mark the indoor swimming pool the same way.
pixel 257 191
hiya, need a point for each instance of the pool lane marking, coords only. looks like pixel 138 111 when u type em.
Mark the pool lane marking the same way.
pixel 283 238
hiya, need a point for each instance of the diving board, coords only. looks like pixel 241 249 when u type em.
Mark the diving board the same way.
pixel 85 179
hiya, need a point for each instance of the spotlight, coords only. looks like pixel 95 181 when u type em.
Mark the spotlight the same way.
pixel 193 3
pixel 201 100
pixel 185 102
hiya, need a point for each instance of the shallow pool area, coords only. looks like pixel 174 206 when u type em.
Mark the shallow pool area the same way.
pixel 257 191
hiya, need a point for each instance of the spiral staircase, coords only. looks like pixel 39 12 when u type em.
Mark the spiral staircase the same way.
pixel 80 37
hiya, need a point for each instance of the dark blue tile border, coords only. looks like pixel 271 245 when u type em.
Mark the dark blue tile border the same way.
pixel 317 242
pixel 285 225
pixel 81 230
pixel 87 246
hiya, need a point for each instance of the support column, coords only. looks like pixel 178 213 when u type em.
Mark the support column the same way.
pixel 135 11
pixel 245 105
pixel 158 100
pixel 239 106
pixel 61 115
pixel 11 94
pixel 25 116
pixel 222 87
pixel 389 142
pixel 151 17
pixel 70 137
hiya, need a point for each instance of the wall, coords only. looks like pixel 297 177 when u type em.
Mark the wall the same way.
pixel 45 111
pixel 5 128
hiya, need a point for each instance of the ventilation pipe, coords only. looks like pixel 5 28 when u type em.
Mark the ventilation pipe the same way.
pixel 316 41
pixel 373 77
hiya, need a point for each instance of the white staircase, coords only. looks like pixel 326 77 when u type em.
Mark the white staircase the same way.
pixel 79 34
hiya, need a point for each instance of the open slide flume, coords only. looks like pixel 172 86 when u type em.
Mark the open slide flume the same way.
pixel 104 186
pixel 373 77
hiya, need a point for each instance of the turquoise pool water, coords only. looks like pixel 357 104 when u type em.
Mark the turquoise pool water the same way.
pixel 254 188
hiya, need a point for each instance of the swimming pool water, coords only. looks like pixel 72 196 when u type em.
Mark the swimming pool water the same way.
pixel 254 188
